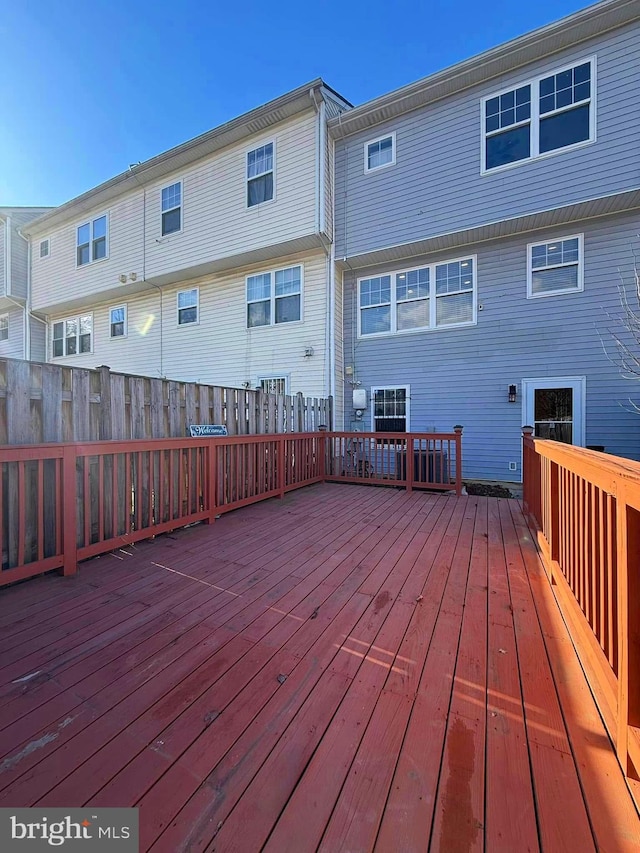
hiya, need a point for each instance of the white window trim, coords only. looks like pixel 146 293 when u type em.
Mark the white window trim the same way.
pixel 375 388
pixel 267 376
pixel 534 120
pixel 4 317
pixel 64 320
pixel 272 299
pixel 247 179
pixel 126 322
pixel 90 222
pixel 369 142
pixel 180 207
pixel 564 291
pixel 195 322
pixel 47 240
pixel 432 301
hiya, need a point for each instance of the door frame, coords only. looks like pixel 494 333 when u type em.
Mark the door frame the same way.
pixel 579 386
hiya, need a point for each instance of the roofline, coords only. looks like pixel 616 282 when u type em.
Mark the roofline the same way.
pixel 201 145
pixel 551 38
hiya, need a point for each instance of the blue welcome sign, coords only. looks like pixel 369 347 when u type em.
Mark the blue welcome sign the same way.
pixel 207 430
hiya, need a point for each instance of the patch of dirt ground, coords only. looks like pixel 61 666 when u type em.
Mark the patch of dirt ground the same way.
pixel 488 490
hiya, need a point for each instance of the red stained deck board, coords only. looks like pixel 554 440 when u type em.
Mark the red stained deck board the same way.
pixel 510 821
pixel 178 708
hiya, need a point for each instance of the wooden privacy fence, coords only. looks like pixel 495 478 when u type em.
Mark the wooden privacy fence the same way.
pixel 55 403
pixel 61 503
pixel 586 508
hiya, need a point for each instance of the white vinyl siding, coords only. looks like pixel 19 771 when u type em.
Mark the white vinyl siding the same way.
pixel 220 226
pixel 555 267
pixel 428 297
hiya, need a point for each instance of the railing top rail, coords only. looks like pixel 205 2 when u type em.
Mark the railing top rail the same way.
pixel 395 436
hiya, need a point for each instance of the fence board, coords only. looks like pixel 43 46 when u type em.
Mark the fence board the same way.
pixel 54 403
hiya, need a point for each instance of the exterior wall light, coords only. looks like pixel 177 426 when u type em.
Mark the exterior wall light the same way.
pixel 512 393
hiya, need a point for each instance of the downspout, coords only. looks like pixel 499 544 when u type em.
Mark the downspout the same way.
pixel 27 304
pixel 7 284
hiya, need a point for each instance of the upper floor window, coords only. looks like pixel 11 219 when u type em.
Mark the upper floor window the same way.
pixel 260 164
pixel 539 117
pixel 44 248
pixel 380 152
pixel 4 327
pixel 118 322
pixel 72 336
pixel 424 298
pixel 274 297
pixel 555 267
pixel 172 209
pixel 187 306
pixel 91 241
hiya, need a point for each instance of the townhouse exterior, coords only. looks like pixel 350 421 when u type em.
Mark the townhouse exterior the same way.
pixel 486 217
pixel 21 334
pixel 211 262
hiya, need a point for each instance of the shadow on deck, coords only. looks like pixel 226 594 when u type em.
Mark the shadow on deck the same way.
pixel 350 668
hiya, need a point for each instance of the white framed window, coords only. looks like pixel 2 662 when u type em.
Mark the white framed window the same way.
pixel 72 336
pixel 274 384
pixel 428 297
pixel 379 153
pixel 118 322
pixel 44 248
pixel 390 408
pixel 92 241
pixel 4 327
pixel 539 117
pixel 171 208
pixel 188 308
pixel 260 174
pixel 555 267
pixel 274 297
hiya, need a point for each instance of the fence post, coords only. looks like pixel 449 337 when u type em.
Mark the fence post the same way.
pixel 69 511
pixel 106 426
pixel 628 601
pixel 458 431
pixel 212 475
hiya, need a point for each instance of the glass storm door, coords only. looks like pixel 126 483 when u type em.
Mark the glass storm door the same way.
pixel 554 408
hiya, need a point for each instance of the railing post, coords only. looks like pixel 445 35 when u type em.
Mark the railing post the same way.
pixel 628 544
pixel 322 450
pixel 554 516
pixel 458 431
pixel 69 511
pixel 212 475
pixel 527 471
pixel 410 463
pixel 282 476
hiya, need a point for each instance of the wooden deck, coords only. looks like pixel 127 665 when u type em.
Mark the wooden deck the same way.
pixel 351 668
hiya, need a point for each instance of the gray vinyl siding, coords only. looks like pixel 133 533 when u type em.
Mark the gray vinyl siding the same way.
pixel 38 340
pixel 462 375
pixel 436 186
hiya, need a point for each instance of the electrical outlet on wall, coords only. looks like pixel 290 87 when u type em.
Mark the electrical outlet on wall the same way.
pixel 513 466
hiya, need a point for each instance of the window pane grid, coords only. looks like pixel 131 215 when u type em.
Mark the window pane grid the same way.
pixel 380 152
pixel 267 305
pixel 91 241
pixel 72 336
pixel 555 266
pixel 171 197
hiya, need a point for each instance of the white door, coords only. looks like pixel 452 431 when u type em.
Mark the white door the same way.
pixel 555 408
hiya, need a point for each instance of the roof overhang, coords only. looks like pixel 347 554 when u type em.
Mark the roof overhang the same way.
pixel 543 219
pixel 251 123
pixel 567 32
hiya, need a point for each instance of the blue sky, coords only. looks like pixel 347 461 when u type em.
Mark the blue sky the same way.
pixel 88 88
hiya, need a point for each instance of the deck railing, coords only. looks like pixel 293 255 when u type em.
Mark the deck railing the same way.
pixel 586 508
pixel 61 503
